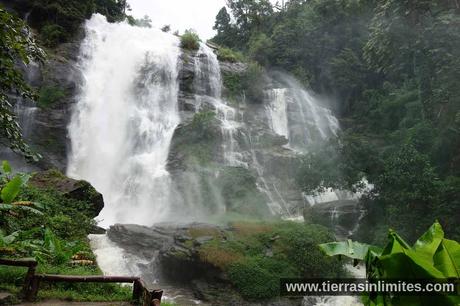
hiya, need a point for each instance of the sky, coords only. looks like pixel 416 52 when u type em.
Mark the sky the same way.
pixel 180 14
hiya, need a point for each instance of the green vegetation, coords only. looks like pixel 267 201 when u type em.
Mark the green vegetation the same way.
pixel 198 140
pixel 229 55
pixel 49 95
pixel 53 34
pixel 255 255
pixel 190 40
pixel 393 68
pixel 431 257
pixel 51 227
pixel 250 83
pixel 59 20
pixel 144 22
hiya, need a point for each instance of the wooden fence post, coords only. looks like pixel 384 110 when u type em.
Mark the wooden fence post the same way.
pixel 32 293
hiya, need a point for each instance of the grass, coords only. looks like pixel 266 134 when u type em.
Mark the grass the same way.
pixel 229 55
pixel 190 40
pixel 218 256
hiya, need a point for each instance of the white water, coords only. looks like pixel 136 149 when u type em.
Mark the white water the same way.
pixel 357 272
pixel 299 116
pixel 208 82
pixel 277 111
pixel 124 120
pixel 112 259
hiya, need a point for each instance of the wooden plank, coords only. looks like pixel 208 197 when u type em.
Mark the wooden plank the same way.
pixel 86 278
pixel 23 262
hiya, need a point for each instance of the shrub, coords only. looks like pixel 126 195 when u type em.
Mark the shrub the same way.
pixel 253 83
pixel 255 274
pixel 190 40
pixel 53 34
pixel 49 95
pixel 254 280
pixel 233 83
pixel 229 55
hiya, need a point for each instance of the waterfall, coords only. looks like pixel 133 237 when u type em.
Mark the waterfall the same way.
pixel 295 113
pixel 277 111
pixel 208 88
pixel 123 123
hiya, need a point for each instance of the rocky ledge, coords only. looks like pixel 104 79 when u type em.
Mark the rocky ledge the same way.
pixel 236 264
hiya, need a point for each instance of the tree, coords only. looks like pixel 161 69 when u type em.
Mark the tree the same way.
pixel 250 16
pixel 227 34
pixel 16 46
pixel 222 23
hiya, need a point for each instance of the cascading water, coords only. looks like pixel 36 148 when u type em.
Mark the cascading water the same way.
pixel 296 114
pixel 125 118
pixel 208 86
pixel 277 111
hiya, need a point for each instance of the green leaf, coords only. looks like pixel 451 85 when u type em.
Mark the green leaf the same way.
pixel 11 189
pixel 10 238
pixel 6 167
pixel 428 243
pixel 350 249
pixel 447 258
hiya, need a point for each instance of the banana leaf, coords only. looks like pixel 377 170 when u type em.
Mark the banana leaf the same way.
pixel 12 188
pixel 349 248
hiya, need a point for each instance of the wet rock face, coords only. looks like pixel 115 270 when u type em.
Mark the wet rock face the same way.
pixel 45 123
pixel 173 247
pixel 74 189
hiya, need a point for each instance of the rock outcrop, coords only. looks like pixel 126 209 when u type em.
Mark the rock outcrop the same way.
pixel 176 251
pixel 74 189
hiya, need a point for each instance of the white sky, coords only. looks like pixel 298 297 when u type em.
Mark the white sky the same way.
pixel 180 14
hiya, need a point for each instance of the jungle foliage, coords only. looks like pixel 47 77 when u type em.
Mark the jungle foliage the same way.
pixel 53 229
pixel 431 257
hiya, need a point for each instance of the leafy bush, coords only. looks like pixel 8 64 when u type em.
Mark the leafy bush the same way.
pixel 53 34
pixel 203 124
pixel 229 55
pixel 293 249
pixel 49 95
pixel 190 40
pixel 257 278
pixel 253 82
pixel 260 48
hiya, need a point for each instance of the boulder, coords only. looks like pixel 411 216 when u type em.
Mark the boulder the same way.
pixel 75 189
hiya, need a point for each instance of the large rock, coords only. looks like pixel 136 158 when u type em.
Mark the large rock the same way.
pixel 174 250
pixel 74 189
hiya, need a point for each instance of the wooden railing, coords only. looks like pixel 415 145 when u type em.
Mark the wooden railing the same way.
pixel 141 294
